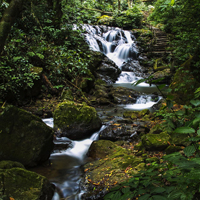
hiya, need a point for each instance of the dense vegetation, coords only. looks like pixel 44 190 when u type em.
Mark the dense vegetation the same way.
pixel 42 44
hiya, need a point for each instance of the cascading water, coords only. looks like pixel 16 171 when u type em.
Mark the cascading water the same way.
pixel 120 46
pixel 65 171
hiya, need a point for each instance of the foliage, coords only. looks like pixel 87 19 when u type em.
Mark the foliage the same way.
pixel 131 18
pixel 180 18
pixel 34 41
pixel 177 175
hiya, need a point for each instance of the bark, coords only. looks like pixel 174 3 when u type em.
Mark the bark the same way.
pixel 119 5
pixel 8 19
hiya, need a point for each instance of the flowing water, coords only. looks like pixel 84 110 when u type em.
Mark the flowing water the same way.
pixel 65 170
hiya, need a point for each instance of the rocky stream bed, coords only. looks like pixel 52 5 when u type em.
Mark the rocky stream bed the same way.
pixel 96 146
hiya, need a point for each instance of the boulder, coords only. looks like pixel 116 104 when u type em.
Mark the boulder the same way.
pixel 113 165
pixel 114 133
pixel 123 95
pixel 24 137
pixel 108 69
pixel 20 184
pixel 76 121
pixel 155 142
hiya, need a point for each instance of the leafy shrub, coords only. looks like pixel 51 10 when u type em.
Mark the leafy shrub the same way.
pixel 129 19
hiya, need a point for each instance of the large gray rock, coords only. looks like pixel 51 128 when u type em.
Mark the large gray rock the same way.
pixel 24 137
pixel 76 121
pixel 21 184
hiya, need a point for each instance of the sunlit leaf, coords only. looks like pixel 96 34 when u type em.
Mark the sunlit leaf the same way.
pixel 184 130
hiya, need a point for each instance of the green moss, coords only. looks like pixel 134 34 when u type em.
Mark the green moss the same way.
pixel 155 142
pixel 76 120
pixel 135 114
pixel 138 146
pixel 24 137
pixel 69 112
pixel 130 114
pixel 152 159
pixel 21 184
pixel 179 139
pixel 116 165
pixel 6 164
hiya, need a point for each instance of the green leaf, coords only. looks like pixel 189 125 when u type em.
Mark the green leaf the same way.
pixel 159 197
pixel 109 196
pixel 17 58
pixel 198 132
pixel 138 82
pixel 144 197
pixel 170 96
pixel 184 130
pixel 158 190
pixel 189 150
pixel 169 104
pixel 195 102
pixel 160 87
pixel 40 55
pixel 172 2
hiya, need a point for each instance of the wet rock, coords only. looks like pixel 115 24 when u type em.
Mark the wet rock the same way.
pixel 109 69
pixel 114 133
pixel 24 137
pixel 21 184
pixel 164 76
pixel 76 121
pixel 121 95
pixel 134 66
pixel 155 142
pixel 60 144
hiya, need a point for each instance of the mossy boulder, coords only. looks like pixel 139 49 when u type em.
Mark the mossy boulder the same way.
pixel 179 139
pixel 21 184
pixel 7 164
pixel 156 142
pixel 24 137
pixel 115 165
pixel 135 114
pixel 76 121
pixel 123 95
pixel 101 148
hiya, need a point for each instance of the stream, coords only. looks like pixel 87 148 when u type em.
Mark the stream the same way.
pixel 65 170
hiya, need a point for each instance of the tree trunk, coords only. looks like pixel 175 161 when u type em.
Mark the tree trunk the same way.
pixel 119 5
pixel 8 19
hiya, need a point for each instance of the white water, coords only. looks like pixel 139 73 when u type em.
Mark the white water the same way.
pixel 125 45
pixel 126 49
pixel 66 172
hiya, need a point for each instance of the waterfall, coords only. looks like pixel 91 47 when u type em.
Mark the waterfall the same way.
pixel 116 44
pixel 68 173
